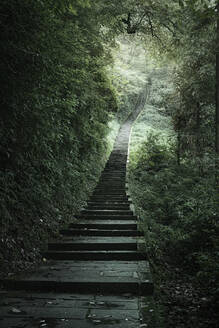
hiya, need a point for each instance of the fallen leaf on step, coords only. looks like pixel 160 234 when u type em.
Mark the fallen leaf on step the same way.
pixel 16 311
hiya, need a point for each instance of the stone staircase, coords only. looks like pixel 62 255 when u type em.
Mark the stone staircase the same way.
pixel 105 238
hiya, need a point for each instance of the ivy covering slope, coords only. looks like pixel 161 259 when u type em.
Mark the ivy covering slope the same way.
pixel 56 102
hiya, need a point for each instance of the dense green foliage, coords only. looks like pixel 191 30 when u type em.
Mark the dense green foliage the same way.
pixel 55 107
pixel 173 176
pixel 178 211
pixel 178 204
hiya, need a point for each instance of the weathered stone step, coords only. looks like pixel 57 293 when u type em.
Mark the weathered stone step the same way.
pixel 109 179
pixel 115 156
pixel 107 217
pixel 103 206
pixel 110 190
pixel 108 198
pixel 116 181
pixel 103 255
pixel 104 226
pixel 115 184
pixel 107 222
pixel 99 232
pixel 106 192
pixel 95 244
pixel 109 203
pixel 114 172
pixel 109 277
pixel 81 311
pixel 113 176
pixel 116 162
pixel 106 212
pixel 111 185
pixel 119 166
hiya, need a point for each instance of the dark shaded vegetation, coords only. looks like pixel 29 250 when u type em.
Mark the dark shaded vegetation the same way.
pixel 55 106
pixel 174 180
pixel 178 208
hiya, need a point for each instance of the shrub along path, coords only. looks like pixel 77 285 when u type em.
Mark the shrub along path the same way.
pixel 94 275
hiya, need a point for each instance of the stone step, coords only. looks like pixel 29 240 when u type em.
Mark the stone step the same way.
pixel 109 179
pixel 106 212
pixel 114 172
pixel 107 217
pixel 109 197
pixel 107 192
pixel 116 162
pixel 98 232
pixel 111 185
pixel 81 310
pixel 119 165
pixel 104 255
pixel 94 243
pixel 113 176
pixel 109 203
pixel 103 199
pixel 115 168
pixel 108 206
pixel 104 226
pixel 98 277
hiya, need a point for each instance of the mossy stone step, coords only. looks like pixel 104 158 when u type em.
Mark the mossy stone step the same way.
pixel 96 244
pixel 105 277
pixel 106 217
pixel 104 226
pixel 106 212
pixel 99 232
pixel 99 255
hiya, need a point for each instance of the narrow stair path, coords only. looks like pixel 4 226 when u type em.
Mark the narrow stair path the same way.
pixel 94 275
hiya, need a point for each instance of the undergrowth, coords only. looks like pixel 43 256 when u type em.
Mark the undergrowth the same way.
pixel 178 211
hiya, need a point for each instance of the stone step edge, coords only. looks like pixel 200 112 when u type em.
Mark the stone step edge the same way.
pixel 62 245
pixel 100 255
pixel 110 233
pixel 106 217
pixel 103 226
pixel 143 288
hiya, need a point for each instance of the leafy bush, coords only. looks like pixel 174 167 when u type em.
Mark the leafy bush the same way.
pixel 178 209
pixel 56 103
